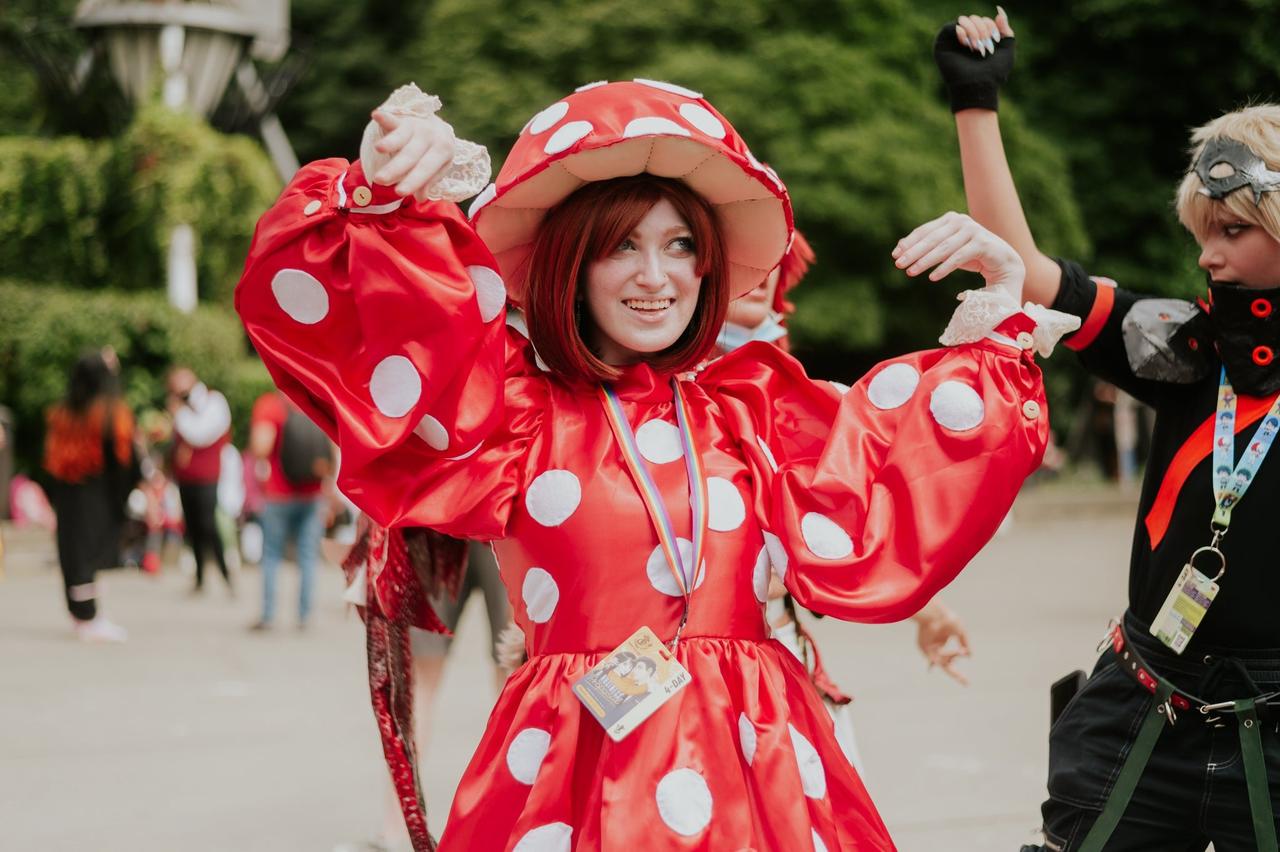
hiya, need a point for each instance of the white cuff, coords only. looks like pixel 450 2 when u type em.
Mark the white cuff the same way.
pixel 1051 325
pixel 978 314
pixel 980 311
pixel 471 166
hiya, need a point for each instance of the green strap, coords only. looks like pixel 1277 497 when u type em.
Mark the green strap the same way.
pixel 1255 775
pixel 1134 764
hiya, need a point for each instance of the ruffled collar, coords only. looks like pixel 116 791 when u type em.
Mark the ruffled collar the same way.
pixel 640 383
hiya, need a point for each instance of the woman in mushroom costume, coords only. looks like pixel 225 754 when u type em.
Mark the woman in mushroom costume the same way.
pixel 624 219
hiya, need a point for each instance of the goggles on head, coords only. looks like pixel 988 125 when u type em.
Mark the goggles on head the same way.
pixel 1226 165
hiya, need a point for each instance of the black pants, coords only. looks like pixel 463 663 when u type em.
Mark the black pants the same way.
pixel 199 514
pixel 88 539
pixel 1193 790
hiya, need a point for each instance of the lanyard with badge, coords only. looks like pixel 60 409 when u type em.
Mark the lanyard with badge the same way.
pixel 642 674
pixel 1191 595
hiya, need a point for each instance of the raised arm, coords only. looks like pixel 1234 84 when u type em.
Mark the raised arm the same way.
pixel 378 310
pixel 975 56
pixel 874 497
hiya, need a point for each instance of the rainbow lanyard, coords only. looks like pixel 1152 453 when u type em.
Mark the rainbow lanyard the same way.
pixel 685 575
pixel 1232 481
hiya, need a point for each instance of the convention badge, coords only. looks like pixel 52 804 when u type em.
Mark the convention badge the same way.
pixel 626 687
pixel 1185 606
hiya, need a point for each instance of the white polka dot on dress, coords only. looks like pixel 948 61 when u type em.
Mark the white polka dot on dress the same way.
pixel 526 752
pixel 893 386
pixel 659 441
pixel 553 837
pixel 747 738
pixel 491 293
pixel 586 87
pixel 726 510
pixel 818 845
pixel 768 454
pixel 540 594
pixel 566 136
pixel 956 406
pixel 468 454
pixel 553 496
pixel 777 555
pixel 548 118
pixel 813 776
pixel 824 538
pixel 658 570
pixel 841 387
pixel 760 576
pixel 653 125
pixel 684 801
pixel 486 195
pixel 300 295
pixel 395 386
pixel 703 120
pixel 433 432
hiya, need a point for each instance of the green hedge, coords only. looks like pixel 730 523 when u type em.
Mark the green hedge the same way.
pixel 43 330
pixel 97 214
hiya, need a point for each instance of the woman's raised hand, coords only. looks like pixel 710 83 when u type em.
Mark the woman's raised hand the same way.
pixel 954 241
pixel 421 151
pixel 981 34
pixel 974 54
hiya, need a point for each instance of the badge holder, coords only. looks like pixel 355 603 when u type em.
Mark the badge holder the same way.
pixel 1189 599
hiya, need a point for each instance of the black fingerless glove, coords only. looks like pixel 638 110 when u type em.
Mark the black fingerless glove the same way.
pixel 973 81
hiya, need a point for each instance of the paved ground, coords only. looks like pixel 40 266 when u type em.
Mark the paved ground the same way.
pixel 196 735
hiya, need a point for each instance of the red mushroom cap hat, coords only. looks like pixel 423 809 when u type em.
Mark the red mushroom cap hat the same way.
pixel 609 130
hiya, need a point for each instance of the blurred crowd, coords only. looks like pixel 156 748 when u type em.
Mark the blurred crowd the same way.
pixel 170 488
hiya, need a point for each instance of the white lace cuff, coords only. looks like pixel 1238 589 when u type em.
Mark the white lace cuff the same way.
pixel 1051 325
pixel 471 166
pixel 980 311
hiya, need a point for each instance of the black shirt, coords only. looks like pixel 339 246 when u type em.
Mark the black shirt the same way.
pixel 1177 491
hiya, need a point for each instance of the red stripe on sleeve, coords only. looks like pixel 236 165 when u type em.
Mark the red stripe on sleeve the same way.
pixel 1104 299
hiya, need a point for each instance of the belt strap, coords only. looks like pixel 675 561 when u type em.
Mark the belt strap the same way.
pixel 1160 712
pixel 1255 775
pixel 1134 764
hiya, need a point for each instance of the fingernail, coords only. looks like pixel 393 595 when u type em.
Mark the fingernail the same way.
pixel 991 46
pixel 996 38
pixel 1000 12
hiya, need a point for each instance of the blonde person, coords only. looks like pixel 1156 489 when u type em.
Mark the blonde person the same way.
pixel 1173 742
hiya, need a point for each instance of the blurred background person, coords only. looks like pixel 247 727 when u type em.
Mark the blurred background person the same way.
pixel 292 460
pixel 90 457
pixel 201 428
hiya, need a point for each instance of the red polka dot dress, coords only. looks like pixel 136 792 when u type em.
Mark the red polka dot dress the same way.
pixel 388 328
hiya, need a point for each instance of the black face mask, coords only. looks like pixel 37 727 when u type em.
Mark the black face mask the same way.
pixel 1246 333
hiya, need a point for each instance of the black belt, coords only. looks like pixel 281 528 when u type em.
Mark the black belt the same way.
pixel 1167 701
pixel 1137 668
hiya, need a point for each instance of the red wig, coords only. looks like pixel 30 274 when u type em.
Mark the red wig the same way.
pixel 586 227
pixel 795 265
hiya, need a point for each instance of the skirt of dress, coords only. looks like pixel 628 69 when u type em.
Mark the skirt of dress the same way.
pixel 744 758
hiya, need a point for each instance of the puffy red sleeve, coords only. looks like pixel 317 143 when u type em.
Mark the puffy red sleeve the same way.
pixel 383 319
pixel 874 497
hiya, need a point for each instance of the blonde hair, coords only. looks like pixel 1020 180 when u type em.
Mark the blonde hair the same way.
pixel 1259 128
